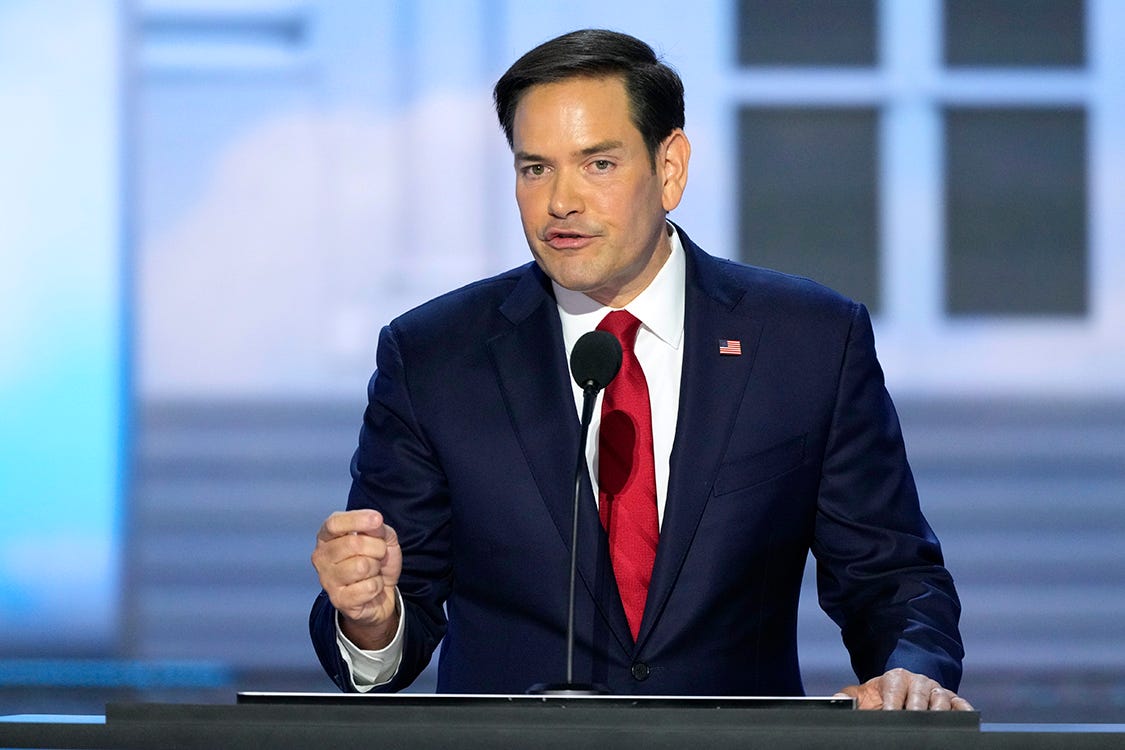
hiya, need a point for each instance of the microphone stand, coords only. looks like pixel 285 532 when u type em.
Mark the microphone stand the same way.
pixel 570 687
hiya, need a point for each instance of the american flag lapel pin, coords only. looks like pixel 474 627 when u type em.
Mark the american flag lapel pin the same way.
pixel 730 347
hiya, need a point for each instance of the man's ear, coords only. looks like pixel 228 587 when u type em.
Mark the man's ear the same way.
pixel 672 165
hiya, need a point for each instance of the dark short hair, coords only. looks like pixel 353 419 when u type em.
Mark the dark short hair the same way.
pixel 656 93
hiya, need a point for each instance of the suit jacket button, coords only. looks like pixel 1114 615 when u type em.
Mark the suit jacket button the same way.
pixel 640 671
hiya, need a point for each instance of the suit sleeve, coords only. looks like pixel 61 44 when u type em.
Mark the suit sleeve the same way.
pixel 395 471
pixel 880 571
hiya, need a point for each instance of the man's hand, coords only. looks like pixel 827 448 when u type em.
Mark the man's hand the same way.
pixel 359 561
pixel 899 689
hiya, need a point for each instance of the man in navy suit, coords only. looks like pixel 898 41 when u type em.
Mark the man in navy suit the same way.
pixel 771 434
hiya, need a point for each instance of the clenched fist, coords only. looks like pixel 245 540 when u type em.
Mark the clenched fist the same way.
pixel 359 561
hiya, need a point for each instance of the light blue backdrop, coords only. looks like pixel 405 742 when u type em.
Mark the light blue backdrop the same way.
pixel 62 326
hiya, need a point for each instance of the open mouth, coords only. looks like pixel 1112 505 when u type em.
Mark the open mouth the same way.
pixel 560 239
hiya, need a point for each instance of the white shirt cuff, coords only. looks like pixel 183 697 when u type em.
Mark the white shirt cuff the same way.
pixel 370 669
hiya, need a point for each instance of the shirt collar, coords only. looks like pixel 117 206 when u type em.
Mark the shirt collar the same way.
pixel 660 307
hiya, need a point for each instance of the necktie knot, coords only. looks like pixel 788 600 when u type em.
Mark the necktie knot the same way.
pixel 622 324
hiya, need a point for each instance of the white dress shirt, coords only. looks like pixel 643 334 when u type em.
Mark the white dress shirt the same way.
pixel 659 349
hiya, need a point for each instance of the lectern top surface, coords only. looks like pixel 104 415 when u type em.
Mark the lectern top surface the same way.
pixel 639 701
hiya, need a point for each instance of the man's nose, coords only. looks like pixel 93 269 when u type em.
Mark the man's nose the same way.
pixel 566 196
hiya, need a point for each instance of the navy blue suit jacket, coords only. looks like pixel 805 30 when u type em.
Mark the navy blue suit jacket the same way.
pixel 469 444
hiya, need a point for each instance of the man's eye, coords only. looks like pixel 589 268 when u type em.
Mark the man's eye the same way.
pixel 534 170
pixel 602 164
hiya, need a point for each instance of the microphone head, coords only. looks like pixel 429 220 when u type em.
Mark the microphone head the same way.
pixel 595 359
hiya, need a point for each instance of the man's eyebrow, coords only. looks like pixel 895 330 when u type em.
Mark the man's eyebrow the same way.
pixel 597 148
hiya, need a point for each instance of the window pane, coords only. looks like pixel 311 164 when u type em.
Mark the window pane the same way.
pixel 806 32
pixel 1015 32
pixel 808 195
pixel 1016 211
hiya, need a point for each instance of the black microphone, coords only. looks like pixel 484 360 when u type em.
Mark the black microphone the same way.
pixel 594 362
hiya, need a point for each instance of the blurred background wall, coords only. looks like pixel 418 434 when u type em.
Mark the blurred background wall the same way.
pixel 208 209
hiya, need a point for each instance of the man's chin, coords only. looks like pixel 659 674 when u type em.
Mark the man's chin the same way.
pixel 572 274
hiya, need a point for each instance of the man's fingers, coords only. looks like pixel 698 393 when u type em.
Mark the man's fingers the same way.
pixel 356 557
pixel 923 693
pixel 354 570
pixel 357 569
pixel 389 536
pixel 866 695
pixel 327 556
pixel 361 600
pixel 355 545
pixel 898 689
pixel 338 524
pixel 362 592
pixel 960 704
pixel 351 534
pixel 894 689
pixel 947 700
pixel 937 699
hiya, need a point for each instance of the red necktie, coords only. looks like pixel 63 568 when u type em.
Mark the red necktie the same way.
pixel 626 474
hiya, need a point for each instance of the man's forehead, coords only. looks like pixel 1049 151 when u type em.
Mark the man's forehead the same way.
pixel 594 108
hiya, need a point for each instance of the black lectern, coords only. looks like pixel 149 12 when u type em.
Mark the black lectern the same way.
pixel 420 722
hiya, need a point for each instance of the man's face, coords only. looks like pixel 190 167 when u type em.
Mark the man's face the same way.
pixel 591 204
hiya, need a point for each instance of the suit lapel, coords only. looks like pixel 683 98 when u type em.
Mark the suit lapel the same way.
pixel 711 388
pixel 534 378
